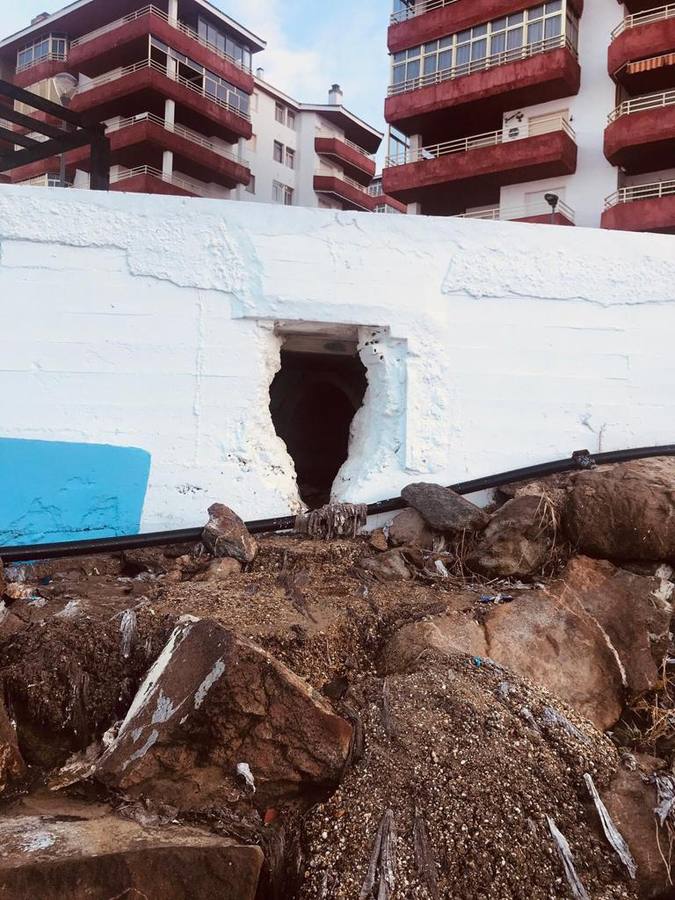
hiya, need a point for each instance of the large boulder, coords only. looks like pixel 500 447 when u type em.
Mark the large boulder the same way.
pixel 443 509
pixel 624 512
pixel 632 611
pixel 517 541
pixel 226 535
pixel 215 709
pixel 89 858
pixel 12 766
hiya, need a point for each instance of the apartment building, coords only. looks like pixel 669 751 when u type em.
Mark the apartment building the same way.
pixel 174 84
pixel 319 155
pixel 562 111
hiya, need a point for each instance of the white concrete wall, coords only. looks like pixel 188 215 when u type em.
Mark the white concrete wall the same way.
pixel 148 322
pixel 595 179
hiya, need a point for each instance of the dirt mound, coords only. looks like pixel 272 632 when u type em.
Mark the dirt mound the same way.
pixel 471 761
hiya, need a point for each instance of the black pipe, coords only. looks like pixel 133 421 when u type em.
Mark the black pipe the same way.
pixel 579 460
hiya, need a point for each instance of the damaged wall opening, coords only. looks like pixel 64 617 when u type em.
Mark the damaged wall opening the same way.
pixel 313 399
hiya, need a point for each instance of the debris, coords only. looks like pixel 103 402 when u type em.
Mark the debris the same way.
pixel 336 520
pixel 563 848
pixel 389 566
pixel 382 868
pixel 496 599
pixel 612 834
pixel 425 859
pixel 665 796
pixel 378 540
pixel 128 628
pixel 244 770
pixel 441 569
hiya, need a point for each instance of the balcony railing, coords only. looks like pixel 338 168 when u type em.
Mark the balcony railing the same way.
pixel 187 184
pixel 659 14
pixel 652 191
pixel 344 140
pixel 547 125
pixel 45 181
pixel 180 130
pixel 52 56
pixel 116 74
pixel 508 214
pixel 638 104
pixel 180 26
pixel 418 9
pixel 480 65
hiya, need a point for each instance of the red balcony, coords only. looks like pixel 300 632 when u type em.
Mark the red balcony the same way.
pixel 143 139
pixel 432 19
pixel 356 163
pixel 645 207
pixel 642 53
pixel 47 68
pixel 547 70
pixel 352 194
pixel 104 44
pixel 109 95
pixel 480 165
pixel 148 180
pixel 640 136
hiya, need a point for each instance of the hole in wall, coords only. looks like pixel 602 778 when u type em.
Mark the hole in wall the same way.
pixel 313 399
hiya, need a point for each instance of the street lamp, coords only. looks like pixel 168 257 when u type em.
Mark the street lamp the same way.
pixel 552 200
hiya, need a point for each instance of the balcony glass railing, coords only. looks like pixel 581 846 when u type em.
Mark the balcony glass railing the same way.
pixel 544 125
pixel 418 9
pixel 630 194
pixel 639 104
pixel 509 214
pixel 180 26
pixel 125 71
pixel 647 17
pixel 480 65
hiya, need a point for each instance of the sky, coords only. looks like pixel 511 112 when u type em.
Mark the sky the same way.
pixel 311 45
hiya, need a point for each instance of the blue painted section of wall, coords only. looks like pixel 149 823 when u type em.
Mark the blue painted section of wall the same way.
pixel 53 491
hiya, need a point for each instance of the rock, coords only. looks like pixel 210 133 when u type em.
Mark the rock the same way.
pixel 212 702
pixel 84 858
pixel 560 647
pixel 443 509
pixel 518 540
pixel 9 623
pixel 410 529
pixel 220 570
pixel 631 803
pixel 454 633
pixel 2 579
pixel 226 535
pixel 631 611
pixel 378 540
pixel 388 566
pixel 18 591
pixel 624 512
pixel 12 766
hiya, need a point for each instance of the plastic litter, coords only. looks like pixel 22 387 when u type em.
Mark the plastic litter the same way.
pixel 477 661
pixel 496 598
pixel 244 770
pixel 665 795
pixel 578 890
pixel 612 833
pixel 128 631
pixel 441 569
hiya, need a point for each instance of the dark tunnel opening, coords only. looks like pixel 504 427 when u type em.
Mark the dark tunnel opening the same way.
pixel 313 399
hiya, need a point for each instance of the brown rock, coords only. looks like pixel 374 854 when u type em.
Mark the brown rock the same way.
pixel 455 633
pixel 631 803
pixel 82 858
pixel 410 529
pixel 443 509
pixel 387 566
pixel 226 535
pixel 12 767
pixel 378 540
pixel 518 540
pixel 561 648
pixel 213 701
pixel 220 570
pixel 629 609
pixel 624 512
pixel 2 579
pixel 9 623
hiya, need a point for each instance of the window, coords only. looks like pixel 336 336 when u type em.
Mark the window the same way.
pixel 50 47
pixel 250 187
pixel 281 193
pixel 278 152
pixel 224 44
pixel 280 113
pixel 461 53
pixel 290 158
pixel 290 119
